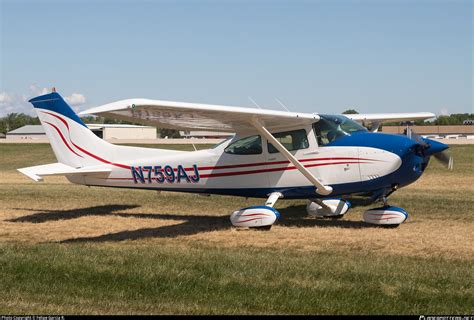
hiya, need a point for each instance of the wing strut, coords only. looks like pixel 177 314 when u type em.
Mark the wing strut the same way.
pixel 320 188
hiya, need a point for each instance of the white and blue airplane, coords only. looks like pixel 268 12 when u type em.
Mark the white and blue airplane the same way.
pixel 273 155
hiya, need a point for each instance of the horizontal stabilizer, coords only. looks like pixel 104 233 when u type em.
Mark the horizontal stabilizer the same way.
pixel 58 169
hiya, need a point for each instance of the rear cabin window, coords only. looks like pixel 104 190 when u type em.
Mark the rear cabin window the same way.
pixel 291 140
pixel 248 145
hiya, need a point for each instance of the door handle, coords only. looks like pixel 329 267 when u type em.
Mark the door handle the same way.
pixel 271 159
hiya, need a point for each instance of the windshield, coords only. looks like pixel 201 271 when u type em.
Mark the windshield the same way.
pixel 333 127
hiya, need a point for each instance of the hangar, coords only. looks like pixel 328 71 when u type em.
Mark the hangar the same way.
pixel 27 132
pixel 122 131
pixel 452 131
pixel 104 131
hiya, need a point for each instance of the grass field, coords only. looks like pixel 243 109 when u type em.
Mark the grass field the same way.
pixel 69 249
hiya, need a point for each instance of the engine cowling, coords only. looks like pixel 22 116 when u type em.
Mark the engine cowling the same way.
pixel 387 215
pixel 330 208
pixel 254 217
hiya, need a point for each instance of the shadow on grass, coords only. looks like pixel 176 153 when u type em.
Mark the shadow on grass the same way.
pixel 54 215
pixel 294 216
pixel 193 224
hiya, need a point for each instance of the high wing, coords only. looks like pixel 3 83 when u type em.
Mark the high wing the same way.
pixel 390 117
pixel 376 119
pixel 186 116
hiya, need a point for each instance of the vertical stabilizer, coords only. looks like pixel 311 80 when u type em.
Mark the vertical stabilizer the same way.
pixel 73 143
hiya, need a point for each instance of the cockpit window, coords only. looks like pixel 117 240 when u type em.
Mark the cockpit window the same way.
pixel 331 128
pixel 248 145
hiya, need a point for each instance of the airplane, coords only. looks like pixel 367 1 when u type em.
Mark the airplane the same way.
pixel 326 159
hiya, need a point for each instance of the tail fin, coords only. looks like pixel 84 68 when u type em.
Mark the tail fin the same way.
pixel 73 143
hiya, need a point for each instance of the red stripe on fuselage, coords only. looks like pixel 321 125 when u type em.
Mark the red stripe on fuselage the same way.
pixel 277 162
pixel 64 139
pixel 100 159
pixel 81 149
pixel 224 174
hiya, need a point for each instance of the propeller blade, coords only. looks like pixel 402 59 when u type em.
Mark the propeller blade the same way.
pixel 445 159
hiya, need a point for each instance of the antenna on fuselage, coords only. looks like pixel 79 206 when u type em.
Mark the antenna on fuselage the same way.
pixel 253 101
pixel 282 104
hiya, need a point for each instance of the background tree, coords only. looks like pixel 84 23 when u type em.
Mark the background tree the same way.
pixel 14 121
pixel 350 111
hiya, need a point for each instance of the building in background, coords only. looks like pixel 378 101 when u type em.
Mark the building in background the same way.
pixel 122 131
pixel 31 132
pixel 452 132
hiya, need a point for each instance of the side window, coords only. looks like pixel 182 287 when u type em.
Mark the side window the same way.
pixel 248 145
pixel 291 140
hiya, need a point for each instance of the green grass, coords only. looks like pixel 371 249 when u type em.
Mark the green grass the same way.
pixel 200 266
pixel 200 279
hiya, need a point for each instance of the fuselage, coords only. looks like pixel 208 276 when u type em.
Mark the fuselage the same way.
pixel 247 165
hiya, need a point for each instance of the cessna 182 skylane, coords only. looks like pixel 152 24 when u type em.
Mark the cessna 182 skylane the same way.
pixel 273 155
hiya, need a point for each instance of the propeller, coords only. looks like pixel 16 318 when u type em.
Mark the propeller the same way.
pixel 432 148
pixel 445 159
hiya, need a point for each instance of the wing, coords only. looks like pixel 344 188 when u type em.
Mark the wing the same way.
pixel 374 120
pixel 390 117
pixel 186 116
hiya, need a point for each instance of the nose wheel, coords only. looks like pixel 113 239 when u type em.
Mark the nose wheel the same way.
pixel 386 216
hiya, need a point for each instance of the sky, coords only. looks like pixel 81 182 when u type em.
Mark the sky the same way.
pixel 314 56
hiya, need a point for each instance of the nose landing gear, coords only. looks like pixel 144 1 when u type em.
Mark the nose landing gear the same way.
pixel 387 216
